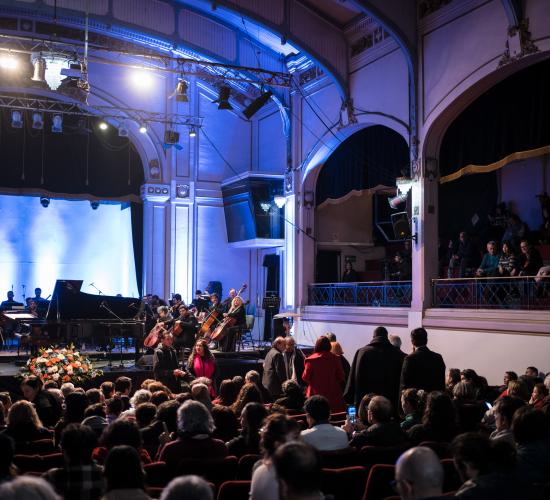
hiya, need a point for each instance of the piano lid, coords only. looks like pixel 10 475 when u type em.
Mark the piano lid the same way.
pixel 69 303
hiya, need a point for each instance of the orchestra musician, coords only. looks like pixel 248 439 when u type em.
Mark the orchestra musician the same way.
pixel 10 303
pixel 175 304
pixel 165 364
pixel 226 304
pixel 187 324
pixel 237 312
pixel 200 302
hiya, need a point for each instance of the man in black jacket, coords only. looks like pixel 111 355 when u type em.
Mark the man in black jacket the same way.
pixel 166 365
pixel 274 368
pixel 376 368
pixel 423 369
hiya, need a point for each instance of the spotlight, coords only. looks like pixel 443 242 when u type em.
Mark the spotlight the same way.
pixel 397 200
pixel 279 200
pixel 37 120
pixel 103 125
pixel 44 201
pixel 143 128
pixel 192 132
pixel 265 206
pixel 223 98
pixel 7 61
pixel 257 104
pixel 16 119
pixel 39 74
pixel 57 124
pixel 181 91
pixel 123 131
pixel 171 138
pixel 142 79
pixel 94 204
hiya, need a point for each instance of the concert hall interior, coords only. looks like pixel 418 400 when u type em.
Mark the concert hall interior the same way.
pixel 182 182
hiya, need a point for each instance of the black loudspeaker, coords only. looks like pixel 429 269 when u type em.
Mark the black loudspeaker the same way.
pixel 145 361
pixel 401 226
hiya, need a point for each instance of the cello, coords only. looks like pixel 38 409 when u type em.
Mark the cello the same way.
pixel 221 330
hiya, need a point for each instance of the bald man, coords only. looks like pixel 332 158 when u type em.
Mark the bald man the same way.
pixel 419 475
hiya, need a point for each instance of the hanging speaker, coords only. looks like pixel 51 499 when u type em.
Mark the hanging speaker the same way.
pixel 401 226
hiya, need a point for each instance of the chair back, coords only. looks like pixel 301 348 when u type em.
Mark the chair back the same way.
pixel 379 482
pixel 372 455
pixel 156 474
pixel 451 479
pixel 441 448
pixel 345 483
pixel 337 459
pixel 38 463
pixel 246 464
pixel 234 490
pixel 216 470
pixel 39 447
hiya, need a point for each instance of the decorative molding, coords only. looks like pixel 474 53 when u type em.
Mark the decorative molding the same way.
pixel 159 193
pixel 368 41
pixel 519 43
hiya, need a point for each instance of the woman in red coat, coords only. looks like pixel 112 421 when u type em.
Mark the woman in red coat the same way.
pixel 324 375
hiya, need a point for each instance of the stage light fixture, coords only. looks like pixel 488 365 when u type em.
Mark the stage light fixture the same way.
pixel 44 201
pixel 103 125
pixel 265 206
pixel 8 61
pixel 16 119
pixel 143 128
pixel 94 204
pixel 37 120
pixel 257 104
pixel 181 91
pixel 223 98
pixel 142 79
pixel 397 200
pixel 57 124
pixel 39 74
pixel 123 131
pixel 192 132
pixel 279 200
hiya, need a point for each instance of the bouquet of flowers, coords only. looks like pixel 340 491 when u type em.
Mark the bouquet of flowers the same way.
pixel 62 365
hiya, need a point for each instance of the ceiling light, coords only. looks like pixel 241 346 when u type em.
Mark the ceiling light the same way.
pixel 94 204
pixel 257 104
pixel 16 119
pixel 44 201
pixel 143 128
pixel 123 131
pixel 181 91
pixel 7 61
pixel 142 79
pixel 265 206
pixel 279 200
pixel 103 126
pixel 57 124
pixel 192 132
pixel 37 120
pixel 223 98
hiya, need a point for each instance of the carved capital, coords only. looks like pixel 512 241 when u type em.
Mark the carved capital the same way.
pixel 519 43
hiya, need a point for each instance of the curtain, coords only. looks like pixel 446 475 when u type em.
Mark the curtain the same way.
pixel 137 238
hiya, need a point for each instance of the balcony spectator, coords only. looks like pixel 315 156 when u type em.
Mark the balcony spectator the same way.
pixel 508 263
pixel 490 261
pixel 464 255
pixel 530 260
pixel 350 275
pixel 516 230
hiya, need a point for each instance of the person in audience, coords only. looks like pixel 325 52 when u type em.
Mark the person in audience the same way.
pixel 114 406
pixel 124 475
pixel 24 424
pixel 336 349
pixel 453 378
pixel 376 368
pixel 227 393
pixel 294 360
pixel 298 468
pixel 67 388
pixel 145 414
pixel 412 409
pixel 165 421
pixel 195 428
pixel 248 441
pixel 465 392
pixel 159 397
pixel 350 274
pixel 439 422
pixel 27 488
pixel 274 368
pixel 140 396
pixel 226 424
pixel 515 230
pixel 238 381
pixel 486 468
pixel 201 363
pixel 253 377
pixel 508 377
pixel 504 410
pixel 5 399
pixel 507 264
pixel 123 389
pixel 519 389
pixel 75 406
pixel 95 396
pixel 532 371
pixel 47 406
pixel 7 451
pixel 530 260
pixel 80 477
pixel 532 435
pixel 278 430
pixel 188 488
pixel 249 393
pixel 108 389
pixel 395 341
pixel 292 397
pixel 200 393
pixel 423 369
pixel 2 417
pixel 419 475
pixel 540 392
pixel 362 417
pixel 463 256
pixel 400 269
pixel 382 430
pixel 95 418
pixel 120 432
pixel 546 403
pixel 321 434
pixel 490 261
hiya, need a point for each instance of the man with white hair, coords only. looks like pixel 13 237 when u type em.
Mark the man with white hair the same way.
pixel 419 474
pixel 395 341
pixel 274 368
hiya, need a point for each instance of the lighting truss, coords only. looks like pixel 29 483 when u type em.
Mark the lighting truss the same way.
pixel 116 113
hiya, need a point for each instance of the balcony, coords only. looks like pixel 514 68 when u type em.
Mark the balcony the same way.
pixel 371 294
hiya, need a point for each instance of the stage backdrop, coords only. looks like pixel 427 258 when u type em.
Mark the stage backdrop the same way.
pixel 67 240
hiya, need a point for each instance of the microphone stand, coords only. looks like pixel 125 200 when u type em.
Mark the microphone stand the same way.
pixel 98 290
pixel 105 306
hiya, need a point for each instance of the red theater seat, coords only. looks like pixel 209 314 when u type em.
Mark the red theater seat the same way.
pixel 40 447
pixel 246 464
pixel 344 484
pixel 372 455
pixel 38 463
pixel 379 482
pixel 216 471
pixel 156 474
pixel 451 481
pixel 234 490
pixel 337 459
pixel 442 449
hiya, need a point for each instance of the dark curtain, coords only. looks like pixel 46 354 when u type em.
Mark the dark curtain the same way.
pixel 272 288
pixel 137 239
pixel 512 116
pixel 372 156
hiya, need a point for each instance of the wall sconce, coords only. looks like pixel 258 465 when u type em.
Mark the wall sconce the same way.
pixel 279 200
pixel 309 198
pixel 154 169
pixel 182 191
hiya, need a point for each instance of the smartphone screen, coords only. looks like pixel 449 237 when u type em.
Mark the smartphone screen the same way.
pixel 352 414
pixel 488 405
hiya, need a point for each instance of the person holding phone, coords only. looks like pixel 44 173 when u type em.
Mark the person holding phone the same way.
pixel 321 434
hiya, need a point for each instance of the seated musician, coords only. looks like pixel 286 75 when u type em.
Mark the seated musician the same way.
pixel 10 303
pixel 237 312
pixel 226 304
pixel 200 302
pixel 175 304
pixel 165 364
pixel 164 316
pixel 186 325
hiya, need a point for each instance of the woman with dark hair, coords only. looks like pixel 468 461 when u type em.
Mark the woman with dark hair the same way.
pixel 293 396
pixel 124 475
pixel 249 393
pixel 278 430
pixel 439 422
pixel 538 396
pixel 46 404
pixel 120 432
pixel 453 378
pixel 24 425
pixel 201 363
pixel 227 394
pixel 75 406
pixel 248 441
pixel 412 408
pixel 324 375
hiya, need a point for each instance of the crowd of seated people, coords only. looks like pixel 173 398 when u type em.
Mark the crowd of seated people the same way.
pixel 106 442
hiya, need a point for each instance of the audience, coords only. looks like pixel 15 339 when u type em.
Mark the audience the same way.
pixel 145 414
pixel 453 378
pixel 24 425
pixel 504 410
pixel 75 406
pixel 438 422
pixel 47 406
pixel 419 475
pixel 321 434
pixel 248 441
pixel 188 488
pixel 124 475
pixel 412 408
pixel 7 450
pixel 253 377
pixel 227 393
pixel 249 393
pixel 292 398
pixel 120 432
pixel 538 397
pixel 27 488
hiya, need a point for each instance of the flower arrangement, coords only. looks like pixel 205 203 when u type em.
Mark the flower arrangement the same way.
pixel 62 365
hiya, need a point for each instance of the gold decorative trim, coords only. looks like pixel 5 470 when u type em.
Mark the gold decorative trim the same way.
pixel 483 169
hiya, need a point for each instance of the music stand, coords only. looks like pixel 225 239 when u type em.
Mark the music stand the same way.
pixel 270 304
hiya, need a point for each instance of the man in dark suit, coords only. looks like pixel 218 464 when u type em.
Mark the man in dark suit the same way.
pixel 423 369
pixel 274 368
pixel 376 368
pixel 395 341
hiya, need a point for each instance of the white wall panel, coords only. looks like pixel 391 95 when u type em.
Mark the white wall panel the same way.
pixel 152 14
pixel 271 144
pixel 158 251
pixel 538 13
pixel 180 267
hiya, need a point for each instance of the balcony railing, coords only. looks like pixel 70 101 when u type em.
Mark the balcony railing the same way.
pixel 522 292
pixel 372 293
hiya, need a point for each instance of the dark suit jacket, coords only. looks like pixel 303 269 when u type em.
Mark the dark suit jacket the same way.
pixel 423 369
pixel 376 368
pixel 274 371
